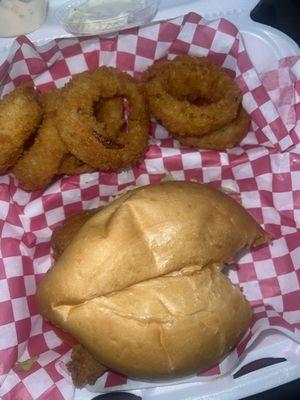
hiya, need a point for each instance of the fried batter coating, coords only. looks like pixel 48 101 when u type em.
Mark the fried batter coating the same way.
pixel 51 99
pixel 84 369
pixel 83 134
pixel 37 167
pixel 72 139
pixel 72 166
pixel 111 112
pixel 20 116
pixel 171 87
pixel 225 137
pixel 63 235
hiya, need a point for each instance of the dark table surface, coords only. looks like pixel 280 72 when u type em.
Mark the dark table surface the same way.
pixel 289 391
pixel 281 14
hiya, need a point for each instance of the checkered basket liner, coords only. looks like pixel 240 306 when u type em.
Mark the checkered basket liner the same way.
pixel 263 173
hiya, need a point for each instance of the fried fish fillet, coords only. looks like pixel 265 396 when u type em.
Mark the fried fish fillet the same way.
pixel 83 367
pixel 63 235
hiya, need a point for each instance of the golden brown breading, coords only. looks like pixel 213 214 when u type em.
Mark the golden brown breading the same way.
pixel 37 167
pixel 224 138
pixel 171 87
pixel 73 166
pixel 20 116
pixel 63 235
pixel 111 113
pixel 84 369
pixel 84 136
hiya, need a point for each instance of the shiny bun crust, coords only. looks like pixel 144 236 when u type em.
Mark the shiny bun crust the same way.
pixel 141 287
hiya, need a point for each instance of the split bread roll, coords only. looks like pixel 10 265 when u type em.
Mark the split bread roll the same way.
pixel 140 285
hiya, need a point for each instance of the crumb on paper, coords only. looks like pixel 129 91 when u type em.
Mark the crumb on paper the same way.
pixel 167 178
pixel 27 364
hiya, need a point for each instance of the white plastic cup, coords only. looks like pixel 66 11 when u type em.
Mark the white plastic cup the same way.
pixel 18 17
pixel 103 17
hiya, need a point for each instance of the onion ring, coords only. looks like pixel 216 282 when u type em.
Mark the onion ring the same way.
pixel 83 134
pixel 172 85
pixel 108 111
pixel 37 167
pixel 20 116
pixel 226 137
pixel 73 166
pixel 111 113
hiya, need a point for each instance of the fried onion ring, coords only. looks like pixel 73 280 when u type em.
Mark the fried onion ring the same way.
pixel 226 137
pixel 20 116
pixel 37 167
pixel 85 137
pixel 171 86
pixel 111 112
pixel 108 111
pixel 73 166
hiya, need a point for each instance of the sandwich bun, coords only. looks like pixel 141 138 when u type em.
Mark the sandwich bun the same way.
pixel 141 288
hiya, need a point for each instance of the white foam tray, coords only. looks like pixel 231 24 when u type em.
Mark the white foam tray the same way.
pixel 271 344
pixel 265 45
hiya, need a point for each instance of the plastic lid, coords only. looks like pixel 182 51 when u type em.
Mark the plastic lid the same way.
pixel 93 17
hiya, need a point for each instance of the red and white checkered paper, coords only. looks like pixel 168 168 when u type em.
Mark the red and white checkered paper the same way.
pixel 262 172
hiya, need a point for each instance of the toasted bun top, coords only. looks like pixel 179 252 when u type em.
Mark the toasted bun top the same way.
pixel 146 233
pixel 115 275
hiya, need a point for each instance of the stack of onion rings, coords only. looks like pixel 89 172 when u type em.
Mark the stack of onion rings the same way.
pixel 38 165
pixel 99 120
pixel 85 128
pixel 173 89
pixel 85 136
pixel 110 112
